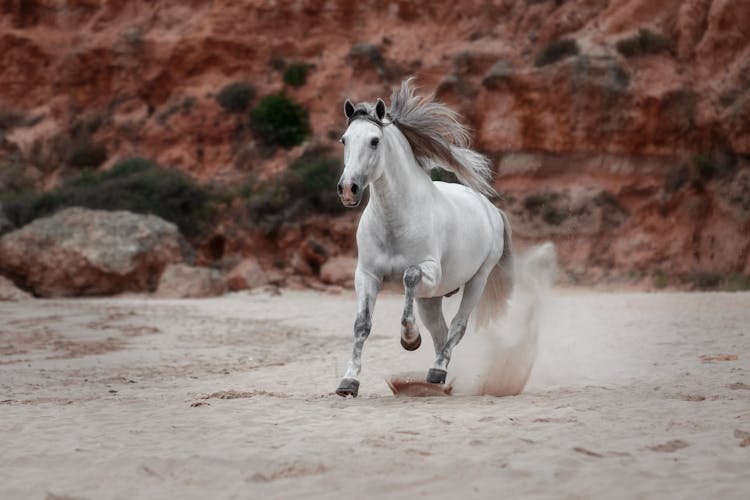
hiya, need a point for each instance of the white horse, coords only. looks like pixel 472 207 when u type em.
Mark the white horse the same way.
pixel 435 236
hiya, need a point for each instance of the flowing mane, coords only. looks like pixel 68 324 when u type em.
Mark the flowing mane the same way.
pixel 437 138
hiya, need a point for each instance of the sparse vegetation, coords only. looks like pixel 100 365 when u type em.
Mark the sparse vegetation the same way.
pixel 308 186
pixel 704 167
pixel 660 279
pixel 559 49
pixel 645 42
pixel 137 185
pixel 543 205
pixel 87 154
pixel 704 280
pixel 236 97
pixel 737 283
pixel 296 74
pixel 553 215
pixel 535 202
pixel 279 121
pixel 14 179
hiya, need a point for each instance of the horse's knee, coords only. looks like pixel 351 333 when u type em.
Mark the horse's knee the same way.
pixel 412 276
pixel 362 326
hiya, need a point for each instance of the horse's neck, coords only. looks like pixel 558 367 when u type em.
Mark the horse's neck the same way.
pixel 404 190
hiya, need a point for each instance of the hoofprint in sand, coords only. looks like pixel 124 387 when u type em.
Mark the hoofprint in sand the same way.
pixel 233 398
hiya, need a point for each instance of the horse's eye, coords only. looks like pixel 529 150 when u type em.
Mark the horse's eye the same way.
pixel 342 140
pixel 374 142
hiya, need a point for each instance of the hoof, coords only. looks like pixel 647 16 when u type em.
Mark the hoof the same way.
pixel 436 376
pixel 413 345
pixel 348 387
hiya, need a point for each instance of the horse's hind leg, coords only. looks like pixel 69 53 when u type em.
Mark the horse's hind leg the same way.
pixel 367 289
pixel 472 294
pixel 410 338
pixel 431 312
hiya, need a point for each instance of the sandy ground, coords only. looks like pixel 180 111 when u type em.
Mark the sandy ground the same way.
pixel 233 398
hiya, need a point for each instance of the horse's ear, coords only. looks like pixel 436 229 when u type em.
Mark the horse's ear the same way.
pixel 380 109
pixel 348 109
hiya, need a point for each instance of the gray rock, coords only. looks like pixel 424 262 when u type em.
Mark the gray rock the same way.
pixel 78 251
pixel 183 281
pixel 10 293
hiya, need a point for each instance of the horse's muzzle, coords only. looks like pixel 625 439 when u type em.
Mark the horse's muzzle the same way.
pixel 350 193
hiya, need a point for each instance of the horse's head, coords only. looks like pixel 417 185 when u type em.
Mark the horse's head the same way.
pixel 362 150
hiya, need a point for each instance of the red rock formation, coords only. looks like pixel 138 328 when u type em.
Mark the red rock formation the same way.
pixel 645 158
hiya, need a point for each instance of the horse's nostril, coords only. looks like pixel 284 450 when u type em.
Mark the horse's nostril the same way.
pixel 355 188
pixel 340 189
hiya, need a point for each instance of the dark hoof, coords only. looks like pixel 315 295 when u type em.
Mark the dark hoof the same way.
pixel 436 376
pixel 413 345
pixel 348 387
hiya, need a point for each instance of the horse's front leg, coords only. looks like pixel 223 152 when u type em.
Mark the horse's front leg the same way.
pixel 424 279
pixel 366 287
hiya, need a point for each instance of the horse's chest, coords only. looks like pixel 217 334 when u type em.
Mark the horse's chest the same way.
pixel 392 253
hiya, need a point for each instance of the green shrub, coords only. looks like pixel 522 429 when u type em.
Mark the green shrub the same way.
pixel 279 121
pixel 559 49
pixel 236 97
pixel 296 74
pixel 645 42
pixel 136 185
pixel 553 215
pixel 14 179
pixel 87 155
pixel 737 283
pixel 535 202
pixel 660 279
pixel 705 280
pixel 704 167
pixel 308 186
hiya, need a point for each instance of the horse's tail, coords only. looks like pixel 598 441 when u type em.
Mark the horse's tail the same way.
pixel 500 282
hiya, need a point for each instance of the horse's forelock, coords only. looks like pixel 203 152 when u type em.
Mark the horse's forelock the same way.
pixel 365 110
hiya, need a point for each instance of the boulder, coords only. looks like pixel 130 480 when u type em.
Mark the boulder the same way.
pixel 10 293
pixel 183 281
pixel 339 271
pixel 245 275
pixel 79 251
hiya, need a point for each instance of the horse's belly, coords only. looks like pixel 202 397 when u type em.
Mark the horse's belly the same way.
pixel 459 266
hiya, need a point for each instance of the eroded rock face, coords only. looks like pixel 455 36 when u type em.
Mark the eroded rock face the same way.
pixel 692 97
pixel 143 76
pixel 183 281
pixel 90 252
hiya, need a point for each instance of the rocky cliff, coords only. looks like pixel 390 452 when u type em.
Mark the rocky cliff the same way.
pixel 619 129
